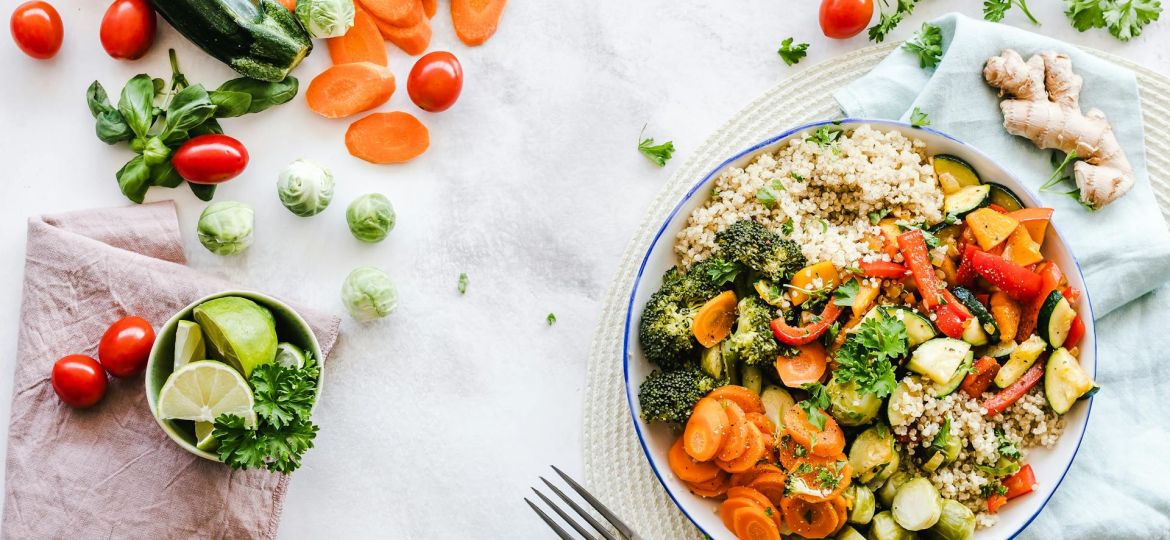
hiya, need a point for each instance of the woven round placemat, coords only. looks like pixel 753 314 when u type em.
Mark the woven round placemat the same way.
pixel 616 469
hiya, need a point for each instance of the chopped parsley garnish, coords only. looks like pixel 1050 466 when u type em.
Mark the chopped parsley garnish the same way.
pixel 846 293
pixel 659 154
pixel 891 13
pixel 827 479
pixel 931 240
pixel 927 44
pixel 768 194
pixel 824 225
pixel 817 402
pixel 792 53
pixel 919 118
pixel 795 176
pixel 1006 447
pixel 876 216
pixel 994 488
pixel 994 10
pixel 867 356
pixel 825 135
pixel 786 227
pixel 722 272
pixel 462 286
pixel 944 433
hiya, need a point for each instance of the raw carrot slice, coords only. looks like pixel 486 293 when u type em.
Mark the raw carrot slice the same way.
pixel 348 89
pixel 808 366
pixel 763 422
pixel 706 430
pixel 772 485
pixel 362 43
pixel 393 137
pixel 752 523
pixel 430 7
pixel 746 477
pixel 746 399
pixel 820 478
pixel 395 12
pixel 714 487
pixel 822 442
pixel 736 441
pixel 712 323
pixel 476 20
pixel 412 39
pixel 755 450
pixel 686 468
pixel 810 520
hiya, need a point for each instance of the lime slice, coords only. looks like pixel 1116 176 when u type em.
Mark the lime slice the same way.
pixel 203 390
pixel 290 356
pixel 239 331
pixel 189 344
pixel 203 438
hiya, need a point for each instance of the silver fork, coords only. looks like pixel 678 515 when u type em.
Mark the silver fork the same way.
pixel 621 527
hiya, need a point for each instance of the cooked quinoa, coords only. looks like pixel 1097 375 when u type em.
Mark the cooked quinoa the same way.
pixel 1030 422
pixel 827 191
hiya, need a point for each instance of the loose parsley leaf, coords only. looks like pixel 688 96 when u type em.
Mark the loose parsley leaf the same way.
pixel 919 118
pixel 462 286
pixel 867 355
pixel 791 54
pixel 1058 172
pixel 995 10
pixel 795 176
pixel 659 154
pixel 817 402
pixel 786 227
pixel 825 135
pixel 846 293
pixel 1085 14
pixel 891 13
pixel 551 319
pixel 1006 447
pixel 767 195
pixel 932 241
pixel 722 272
pixel 876 216
pixel 927 44
pixel 1125 18
pixel 940 439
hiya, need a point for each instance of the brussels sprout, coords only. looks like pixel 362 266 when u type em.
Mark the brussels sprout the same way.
pixel 884 527
pixel 325 18
pixel 848 533
pixel 368 294
pixel 305 187
pixel 225 228
pixel 872 451
pixel 370 217
pixel 861 503
pixel 956 523
pixel 850 406
pixel 917 505
pixel 886 494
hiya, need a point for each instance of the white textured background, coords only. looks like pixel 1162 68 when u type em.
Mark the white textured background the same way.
pixel 436 420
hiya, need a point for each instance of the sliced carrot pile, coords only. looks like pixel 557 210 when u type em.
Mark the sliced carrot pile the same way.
pixel 736 442
pixel 753 523
pixel 756 449
pixel 810 520
pixel 746 399
pixel 815 472
pixel 395 12
pixel 413 39
pixel 828 442
pixel 746 477
pixel 789 451
pixel 476 20
pixel 743 497
pixel 842 509
pixel 763 422
pixel 393 137
pixel 772 485
pixel 712 323
pixel 430 7
pixel 348 89
pixel 362 43
pixel 706 429
pixel 808 366
pixel 686 468
pixel 714 487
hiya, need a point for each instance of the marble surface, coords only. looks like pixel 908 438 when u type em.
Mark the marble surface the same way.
pixel 437 419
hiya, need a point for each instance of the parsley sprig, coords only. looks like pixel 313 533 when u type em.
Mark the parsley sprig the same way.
pixel 892 13
pixel 657 153
pixel 1123 18
pixel 917 119
pixel 995 10
pixel 815 405
pixel 927 44
pixel 867 356
pixel 792 53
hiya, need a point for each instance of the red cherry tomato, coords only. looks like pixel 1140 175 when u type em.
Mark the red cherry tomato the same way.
pixel 842 19
pixel 125 346
pixel 36 27
pixel 128 29
pixel 435 81
pixel 78 380
pixel 210 159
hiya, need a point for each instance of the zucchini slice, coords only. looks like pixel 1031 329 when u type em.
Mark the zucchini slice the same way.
pixel 986 321
pixel 1022 358
pixel 1000 350
pixel 949 387
pixel 919 329
pixel 939 358
pixel 900 394
pixel 961 173
pixel 1055 319
pixel 1005 198
pixel 973 333
pixel 967 200
pixel 1065 381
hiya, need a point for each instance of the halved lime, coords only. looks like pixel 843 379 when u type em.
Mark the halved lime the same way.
pixel 289 355
pixel 203 390
pixel 203 438
pixel 189 344
pixel 240 331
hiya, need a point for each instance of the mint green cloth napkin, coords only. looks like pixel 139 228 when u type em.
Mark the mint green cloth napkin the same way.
pixel 1119 484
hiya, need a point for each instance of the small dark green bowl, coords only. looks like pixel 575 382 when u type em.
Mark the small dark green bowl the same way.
pixel 290 327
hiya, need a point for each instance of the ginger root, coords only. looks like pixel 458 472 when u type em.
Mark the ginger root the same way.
pixel 1043 105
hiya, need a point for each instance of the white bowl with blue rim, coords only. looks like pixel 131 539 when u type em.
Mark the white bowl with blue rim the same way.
pixel 1049 464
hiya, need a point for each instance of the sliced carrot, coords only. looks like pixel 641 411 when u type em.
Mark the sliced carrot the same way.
pixel 737 433
pixel 712 323
pixel 746 399
pixel 714 487
pixel 808 366
pixel 728 507
pixel 751 523
pixel 476 20
pixel 412 39
pixel 348 89
pixel 362 43
pixel 823 477
pixel 393 137
pixel 822 442
pixel 842 510
pixel 686 468
pixel 746 477
pixel 810 520
pixel 395 12
pixel 753 452
pixel 754 496
pixel 705 430
pixel 790 451
pixel 772 485
pixel 430 7
pixel 763 422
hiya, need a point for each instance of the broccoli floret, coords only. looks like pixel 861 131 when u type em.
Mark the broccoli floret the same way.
pixel 764 251
pixel 665 328
pixel 669 396
pixel 753 342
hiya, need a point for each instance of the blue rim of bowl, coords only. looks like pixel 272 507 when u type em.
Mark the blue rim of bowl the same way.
pixel 755 148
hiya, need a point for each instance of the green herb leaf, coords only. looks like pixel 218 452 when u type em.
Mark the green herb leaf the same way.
pixel 204 192
pixel 137 104
pixel 165 175
pixel 551 319
pixel 462 286
pixel 944 432
pixel 931 240
pixel 134 179
pixel 846 293
pixel 995 10
pixel 919 118
pixel 786 227
pixel 263 94
pixel 1059 172
pixel 722 272
pixel 768 196
pixel 867 356
pixel 155 152
pixel 927 44
pixel 229 104
pixel 817 402
pixel 876 216
pixel 658 154
pixel 825 135
pixel 1125 18
pixel 189 108
pixel 790 53
pixel 284 394
pixel 891 13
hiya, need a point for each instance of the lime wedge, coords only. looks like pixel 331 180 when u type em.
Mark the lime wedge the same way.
pixel 189 344
pixel 289 355
pixel 240 332
pixel 203 438
pixel 203 390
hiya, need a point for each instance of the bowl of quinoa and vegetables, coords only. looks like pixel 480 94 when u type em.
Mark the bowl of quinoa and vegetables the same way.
pixel 860 329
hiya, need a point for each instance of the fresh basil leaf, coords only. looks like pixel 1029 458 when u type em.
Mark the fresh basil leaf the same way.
pixel 96 98
pixel 134 179
pixel 165 175
pixel 229 104
pixel 264 94
pixel 188 109
pixel 210 127
pixel 111 127
pixel 204 191
pixel 155 152
pixel 137 104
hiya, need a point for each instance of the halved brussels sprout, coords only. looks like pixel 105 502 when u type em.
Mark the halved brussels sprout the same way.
pixel 886 494
pixel 957 522
pixel 849 405
pixel 872 451
pixel 883 527
pixel 226 227
pixel 305 187
pixel 861 503
pixel 848 533
pixel 917 505
pixel 325 18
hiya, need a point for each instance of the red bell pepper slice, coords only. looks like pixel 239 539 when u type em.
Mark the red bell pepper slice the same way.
pixel 1050 279
pixel 965 275
pixel 882 269
pixel 975 384
pixel 913 248
pixel 995 502
pixel 997 208
pixel 1072 294
pixel 1006 397
pixel 801 335
pixel 1021 483
pixel 1075 333
pixel 949 319
pixel 1011 278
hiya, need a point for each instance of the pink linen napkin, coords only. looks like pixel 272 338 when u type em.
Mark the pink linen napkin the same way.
pixel 110 471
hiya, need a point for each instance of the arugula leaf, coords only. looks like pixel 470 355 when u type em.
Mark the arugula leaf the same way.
pixel 846 293
pixel 723 272
pixel 867 355
pixel 918 119
pixel 791 54
pixel 462 286
pixel 659 154
pixel 995 10
pixel 817 402
pixel 891 13
pixel 927 44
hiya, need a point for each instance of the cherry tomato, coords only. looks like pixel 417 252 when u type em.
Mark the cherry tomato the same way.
pixel 125 346
pixel 128 29
pixel 78 380
pixel 435 81
pixel 842 19
pixel 36 27
pixel 210 159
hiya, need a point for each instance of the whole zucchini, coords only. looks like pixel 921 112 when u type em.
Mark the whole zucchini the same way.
pixel 258 38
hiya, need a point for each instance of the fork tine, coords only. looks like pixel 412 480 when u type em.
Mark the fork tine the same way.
pixel 564 515
pixel 583 513
pixel 609 516
pixel 549 521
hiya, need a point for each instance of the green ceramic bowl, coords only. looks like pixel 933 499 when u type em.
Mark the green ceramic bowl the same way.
pixel 290 327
